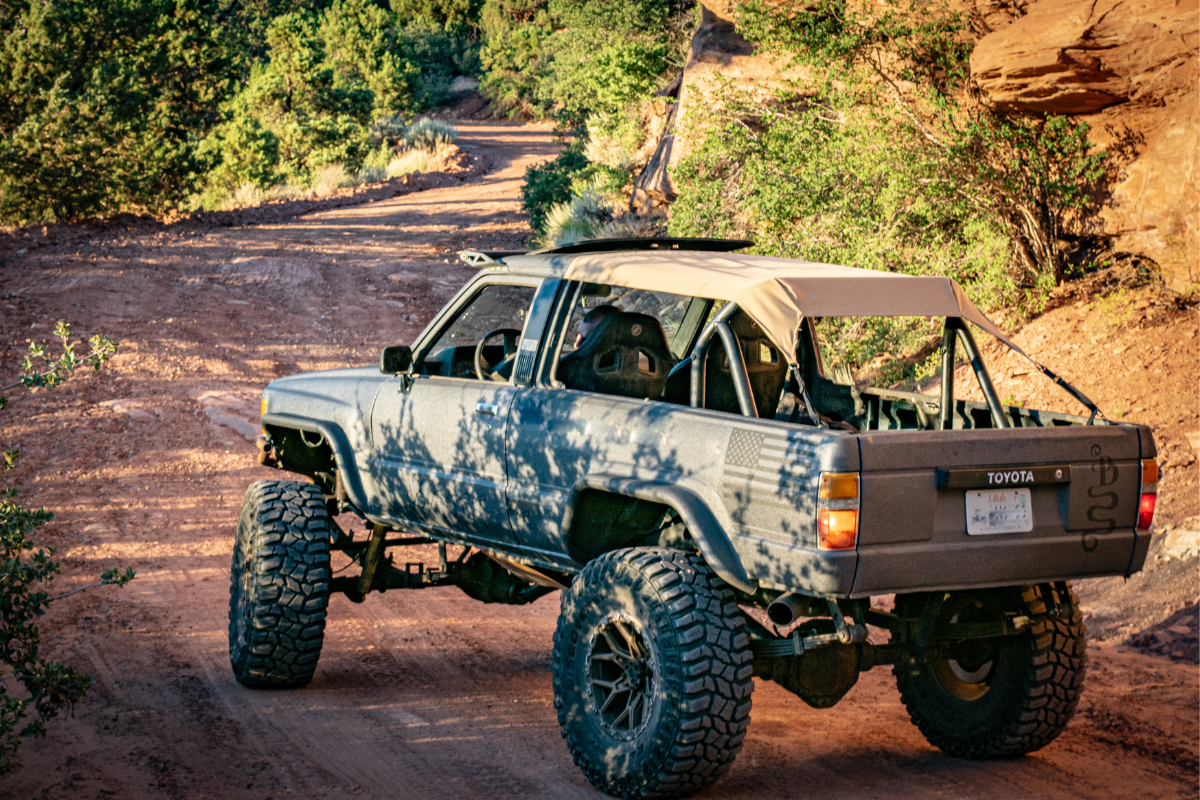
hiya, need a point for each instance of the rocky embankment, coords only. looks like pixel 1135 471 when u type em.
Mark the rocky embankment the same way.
pixel 1128 69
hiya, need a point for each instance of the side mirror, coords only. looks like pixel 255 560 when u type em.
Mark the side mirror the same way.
pixel 396 360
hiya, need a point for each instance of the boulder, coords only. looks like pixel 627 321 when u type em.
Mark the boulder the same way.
pixel 1128 68
pixel 1079 56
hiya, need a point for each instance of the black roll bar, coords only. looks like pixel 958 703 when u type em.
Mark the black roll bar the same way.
pixel 737 365
pixel 946 412
pixel 999 418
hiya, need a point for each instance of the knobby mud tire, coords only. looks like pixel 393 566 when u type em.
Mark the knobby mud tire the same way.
pixel 279 587
pixel 690 620
pixel 1032 697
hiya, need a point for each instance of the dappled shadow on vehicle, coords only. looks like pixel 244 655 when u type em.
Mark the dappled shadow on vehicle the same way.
pixel 516 477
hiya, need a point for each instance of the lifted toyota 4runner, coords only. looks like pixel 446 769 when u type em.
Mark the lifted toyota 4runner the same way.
pixel 648 427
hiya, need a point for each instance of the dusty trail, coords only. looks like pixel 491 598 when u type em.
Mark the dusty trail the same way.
pixel 419 695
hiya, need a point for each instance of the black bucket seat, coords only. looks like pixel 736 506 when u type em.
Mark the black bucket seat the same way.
pixel 626 355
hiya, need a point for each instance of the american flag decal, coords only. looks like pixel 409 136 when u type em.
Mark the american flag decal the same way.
pixel 766 474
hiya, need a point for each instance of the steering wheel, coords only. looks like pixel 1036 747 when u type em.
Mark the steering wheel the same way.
pixel 486 373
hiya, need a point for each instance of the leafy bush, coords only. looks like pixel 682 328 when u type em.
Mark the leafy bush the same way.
pixel 549 184
pixel 449 15
pixel 515 54
pixel 26 572
pixel 579 57
pixel 441 55
pixel 1026 173
pixel 881 159
pixel 429 134
pixel 100 103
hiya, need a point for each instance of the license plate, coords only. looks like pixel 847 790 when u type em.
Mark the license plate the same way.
pixel 999 511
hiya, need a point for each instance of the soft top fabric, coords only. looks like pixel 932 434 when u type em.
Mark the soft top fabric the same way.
pixel 778 293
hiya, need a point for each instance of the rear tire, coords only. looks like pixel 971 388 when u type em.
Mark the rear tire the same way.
pixel 652 673
pixel 1002 697
pixel 279 587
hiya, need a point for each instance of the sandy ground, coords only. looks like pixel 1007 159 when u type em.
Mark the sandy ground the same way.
pixel 434 695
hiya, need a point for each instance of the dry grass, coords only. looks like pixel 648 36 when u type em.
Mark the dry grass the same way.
pixel 408 162
pixel 329 178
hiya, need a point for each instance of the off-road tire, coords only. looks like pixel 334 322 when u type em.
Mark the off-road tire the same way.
pixel 1033 692
pixel 279 586
pixel 700 703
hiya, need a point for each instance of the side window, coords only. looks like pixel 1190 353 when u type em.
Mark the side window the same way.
pixel 495 309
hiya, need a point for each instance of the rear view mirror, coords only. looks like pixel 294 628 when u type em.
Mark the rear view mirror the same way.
pixel 595 290
pixel 396 360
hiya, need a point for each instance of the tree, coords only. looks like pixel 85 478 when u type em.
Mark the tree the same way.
pixel 101 103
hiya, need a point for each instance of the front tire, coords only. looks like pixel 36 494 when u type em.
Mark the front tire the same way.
pixel 652 673
pixel 279 587
pixel 1003 697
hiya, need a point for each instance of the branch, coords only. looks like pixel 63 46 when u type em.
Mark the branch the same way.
pixel 904 106
pixel 73 591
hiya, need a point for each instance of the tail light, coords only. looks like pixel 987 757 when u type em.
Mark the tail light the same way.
pixel 1149 494
pixel 837 511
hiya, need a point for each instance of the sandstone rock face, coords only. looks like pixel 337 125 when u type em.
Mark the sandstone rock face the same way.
pixel 718 54
pixel 1079 56
pixel 1127 67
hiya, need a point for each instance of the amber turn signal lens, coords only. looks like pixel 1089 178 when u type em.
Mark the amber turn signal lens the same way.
pixel 839 485
pixel 262 408
pixel 1149 471
pixel 837 530
pixel 1146 511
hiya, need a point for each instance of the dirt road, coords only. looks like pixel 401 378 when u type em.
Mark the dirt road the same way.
pixel 419 695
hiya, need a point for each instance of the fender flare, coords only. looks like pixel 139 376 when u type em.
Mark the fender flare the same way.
pixel 342 452
pixel 702 524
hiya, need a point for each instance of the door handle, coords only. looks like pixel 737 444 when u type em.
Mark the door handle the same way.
pixel 487 408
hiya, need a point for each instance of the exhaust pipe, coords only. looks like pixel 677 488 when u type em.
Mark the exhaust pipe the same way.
pixel 787 608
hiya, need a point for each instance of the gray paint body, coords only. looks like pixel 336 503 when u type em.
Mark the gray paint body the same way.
pixel 417 453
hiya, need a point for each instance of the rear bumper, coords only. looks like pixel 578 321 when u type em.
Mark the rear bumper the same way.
pixel 1002 560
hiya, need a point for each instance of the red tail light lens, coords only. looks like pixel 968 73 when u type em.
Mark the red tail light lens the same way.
pixel 1146 511
pixel 837 530
pixel 1149 494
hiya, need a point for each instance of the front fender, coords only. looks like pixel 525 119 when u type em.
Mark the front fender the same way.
pixel 702 524
pixel 338 442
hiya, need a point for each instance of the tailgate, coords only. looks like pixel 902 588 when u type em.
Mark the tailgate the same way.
pixel 1077 518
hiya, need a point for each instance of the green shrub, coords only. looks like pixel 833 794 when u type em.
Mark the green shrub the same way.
pixel 46 687
pixel 1025 172
pixel 550 183
pixel 579 57
pixel 429 134
pixel 581 217
pixel 441 55
pixel 881 159
pixel 449 15
pixel 514 55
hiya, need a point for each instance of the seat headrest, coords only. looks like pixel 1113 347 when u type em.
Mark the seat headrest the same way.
pixel 626 354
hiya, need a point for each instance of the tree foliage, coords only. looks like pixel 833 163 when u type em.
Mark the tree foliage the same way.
pixel 574 58
pixel 100 103
pixel 138 105
pixel 1028 173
